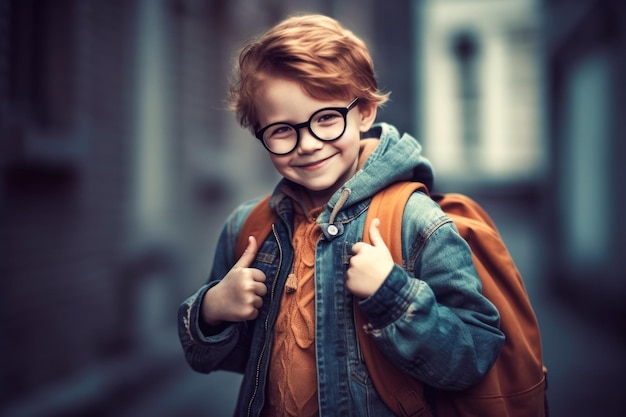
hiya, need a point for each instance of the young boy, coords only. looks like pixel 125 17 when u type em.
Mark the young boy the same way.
pixel 282 313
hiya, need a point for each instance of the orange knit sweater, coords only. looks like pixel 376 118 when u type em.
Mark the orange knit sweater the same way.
pixel 292 381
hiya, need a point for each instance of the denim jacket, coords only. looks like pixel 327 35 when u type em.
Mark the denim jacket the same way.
pixel 429 316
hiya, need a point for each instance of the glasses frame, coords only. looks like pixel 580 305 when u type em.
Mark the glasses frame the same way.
pixel 341 110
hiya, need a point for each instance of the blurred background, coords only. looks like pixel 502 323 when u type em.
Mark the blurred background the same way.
pixel 118 165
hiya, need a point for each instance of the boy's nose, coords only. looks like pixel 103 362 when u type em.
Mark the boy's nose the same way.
pixel 308 142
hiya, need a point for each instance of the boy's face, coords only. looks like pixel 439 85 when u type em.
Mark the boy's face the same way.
pixel 318 166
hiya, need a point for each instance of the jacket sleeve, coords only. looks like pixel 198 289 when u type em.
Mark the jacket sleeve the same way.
pixel 431 319
pixel 210 348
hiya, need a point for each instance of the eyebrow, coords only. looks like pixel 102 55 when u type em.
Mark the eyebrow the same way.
pixel 293 122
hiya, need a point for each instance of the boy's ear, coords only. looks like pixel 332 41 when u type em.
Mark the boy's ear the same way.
pixel 367 115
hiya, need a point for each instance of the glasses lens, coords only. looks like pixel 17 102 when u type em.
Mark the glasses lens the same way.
pixel 328 124
pixel 280 138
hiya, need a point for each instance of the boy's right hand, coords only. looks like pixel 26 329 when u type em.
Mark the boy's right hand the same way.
pixel 239 295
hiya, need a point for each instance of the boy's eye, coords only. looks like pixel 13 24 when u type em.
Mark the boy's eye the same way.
pixel 280 131
pixel 328 117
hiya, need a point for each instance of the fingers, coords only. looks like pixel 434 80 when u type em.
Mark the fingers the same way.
pixel 256 297
pixel 375 237
pixel 249 302
pixel 257 302
pixel 248 255
pixel 260 288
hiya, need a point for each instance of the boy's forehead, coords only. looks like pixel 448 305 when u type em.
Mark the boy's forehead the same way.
pixel 280 99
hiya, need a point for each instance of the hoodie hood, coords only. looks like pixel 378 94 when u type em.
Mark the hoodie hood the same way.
pixel 396 158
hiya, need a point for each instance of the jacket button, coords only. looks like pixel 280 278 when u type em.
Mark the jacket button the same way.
pixel 332 230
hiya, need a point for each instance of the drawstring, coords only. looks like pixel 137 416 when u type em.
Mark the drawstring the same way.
pixel 330 229
pixel 345 193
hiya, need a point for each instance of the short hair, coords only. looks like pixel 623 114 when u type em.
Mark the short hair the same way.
pixel 328 61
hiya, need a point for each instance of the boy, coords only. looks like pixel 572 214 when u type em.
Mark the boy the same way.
pixel 282 313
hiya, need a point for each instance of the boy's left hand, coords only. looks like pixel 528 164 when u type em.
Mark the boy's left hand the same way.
pixel 370 264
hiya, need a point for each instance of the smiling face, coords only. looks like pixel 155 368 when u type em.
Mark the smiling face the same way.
pixel 320 167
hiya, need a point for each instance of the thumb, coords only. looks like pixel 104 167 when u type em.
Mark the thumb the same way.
pixel 375 237
pixel 248 255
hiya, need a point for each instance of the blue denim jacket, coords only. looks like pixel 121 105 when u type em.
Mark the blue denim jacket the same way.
pixel 429 316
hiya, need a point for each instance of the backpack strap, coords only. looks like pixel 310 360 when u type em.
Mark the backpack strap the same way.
pixel 388 205
pixel 258 224
pixel 403 394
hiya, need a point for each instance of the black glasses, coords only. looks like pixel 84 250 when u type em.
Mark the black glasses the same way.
pixel 327 124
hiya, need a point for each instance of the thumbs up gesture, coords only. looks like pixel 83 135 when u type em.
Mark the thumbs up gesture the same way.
pixel 239 295
pixel 369 265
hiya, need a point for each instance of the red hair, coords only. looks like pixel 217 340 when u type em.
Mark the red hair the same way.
pixel 328 61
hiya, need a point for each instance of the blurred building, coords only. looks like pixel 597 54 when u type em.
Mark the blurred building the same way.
pixel 586 53
pixel 119 162
pixel 481 89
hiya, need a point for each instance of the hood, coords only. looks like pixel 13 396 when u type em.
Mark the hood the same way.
pixel 396 158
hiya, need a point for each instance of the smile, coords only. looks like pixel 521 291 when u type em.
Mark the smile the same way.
pixel 312 166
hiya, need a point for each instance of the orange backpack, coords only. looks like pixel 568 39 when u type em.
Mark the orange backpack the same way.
pixel 515 385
